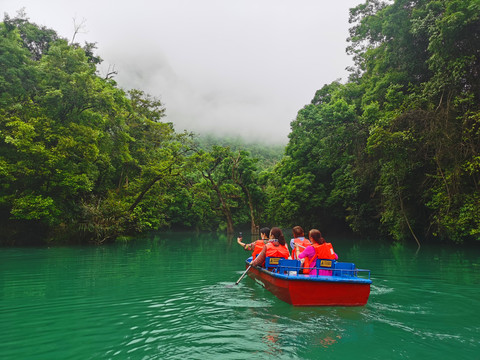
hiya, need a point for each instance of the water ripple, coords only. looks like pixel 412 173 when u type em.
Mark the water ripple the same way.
pixel 163 302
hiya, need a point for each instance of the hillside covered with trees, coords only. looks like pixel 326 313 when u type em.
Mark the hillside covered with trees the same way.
pixel 83 160
pixel 392 152
pixel 395 150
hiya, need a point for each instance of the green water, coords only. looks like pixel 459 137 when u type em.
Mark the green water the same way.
pixel 172 296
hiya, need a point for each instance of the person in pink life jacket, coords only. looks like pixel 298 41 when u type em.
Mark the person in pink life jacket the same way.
pixel 319 249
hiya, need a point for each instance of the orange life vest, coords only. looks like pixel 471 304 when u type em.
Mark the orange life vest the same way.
pixel 323 251
pixel 259 244
pixel 303 242
pixel 277 250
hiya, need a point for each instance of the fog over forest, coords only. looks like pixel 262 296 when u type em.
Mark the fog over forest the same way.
pixel 232 68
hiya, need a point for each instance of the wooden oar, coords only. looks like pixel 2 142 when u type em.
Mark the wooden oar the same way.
pixel 243 275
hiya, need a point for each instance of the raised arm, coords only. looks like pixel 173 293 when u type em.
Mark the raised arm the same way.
pixel 245 246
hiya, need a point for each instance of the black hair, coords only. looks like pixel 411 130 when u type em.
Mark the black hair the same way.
pixel 265 231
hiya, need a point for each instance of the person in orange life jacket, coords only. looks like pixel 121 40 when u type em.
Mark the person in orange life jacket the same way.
pixel 276 247
pixel 319 249
pixel 298 238
pixel 258 245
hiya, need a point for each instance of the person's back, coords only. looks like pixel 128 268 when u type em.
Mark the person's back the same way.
pixel 319 250
pixel 298 239
pixel 257 249
pixel 324 251
pixel 276 247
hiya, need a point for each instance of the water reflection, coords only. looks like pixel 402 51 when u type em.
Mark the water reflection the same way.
pixel 171 296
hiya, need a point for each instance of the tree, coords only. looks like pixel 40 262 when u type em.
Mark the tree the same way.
pixel 397 146
pixel 76 152
pixel 211 168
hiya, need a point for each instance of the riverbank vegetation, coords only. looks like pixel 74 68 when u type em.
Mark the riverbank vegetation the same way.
pixel 394 151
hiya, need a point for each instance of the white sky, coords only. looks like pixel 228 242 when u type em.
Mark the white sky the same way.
pixel 231 67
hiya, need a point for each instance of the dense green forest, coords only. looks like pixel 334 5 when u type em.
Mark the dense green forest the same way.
pixel 83 160
pixel 395 150
pixel 392 152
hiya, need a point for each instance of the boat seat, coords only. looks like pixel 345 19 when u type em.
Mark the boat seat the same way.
pixel 271 263
pixel 289 266
pixel 344 269
pixel 326 264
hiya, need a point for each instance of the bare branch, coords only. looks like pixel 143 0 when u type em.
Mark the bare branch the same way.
pixel 111 72
pixel 78 28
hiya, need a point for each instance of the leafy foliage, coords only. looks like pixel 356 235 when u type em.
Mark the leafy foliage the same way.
pixel 393 151
pixel 82 159
pixel 397 145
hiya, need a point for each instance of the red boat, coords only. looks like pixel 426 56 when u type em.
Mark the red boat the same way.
pixel 346 286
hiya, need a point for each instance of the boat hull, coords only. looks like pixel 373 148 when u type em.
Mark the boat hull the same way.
pixel 304 290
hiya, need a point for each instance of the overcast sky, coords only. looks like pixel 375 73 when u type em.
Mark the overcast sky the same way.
pixel 230 67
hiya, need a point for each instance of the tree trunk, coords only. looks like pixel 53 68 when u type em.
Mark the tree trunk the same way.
pixel 405 215
pixel 225 209
pixel 253 226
